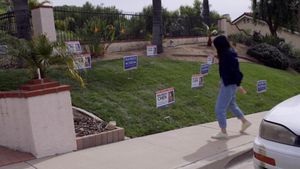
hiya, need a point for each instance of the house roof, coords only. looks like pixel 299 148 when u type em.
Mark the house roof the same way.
pixel 249 16
pixel 246 14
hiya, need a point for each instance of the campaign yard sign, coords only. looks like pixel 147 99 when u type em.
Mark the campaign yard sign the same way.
pixel 83 61
pixel 204 69
pixel 210 59
pixel 130 62
pixel 74 47
pixel 165 97
pixel 151 50
pixel 3 49
pixel 261 86
pixel 197 81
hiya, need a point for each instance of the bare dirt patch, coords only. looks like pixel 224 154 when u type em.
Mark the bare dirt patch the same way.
pixel 190 52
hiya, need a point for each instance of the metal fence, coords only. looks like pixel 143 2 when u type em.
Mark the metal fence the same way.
pixel 72 24
pixel 86 26
pixel 183 26
pixel 8 23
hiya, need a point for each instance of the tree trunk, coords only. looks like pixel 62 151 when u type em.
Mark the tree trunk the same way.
pixel 205 12
pixel 157 25
pixel 22 14
pixel 209 42
pixel 272 27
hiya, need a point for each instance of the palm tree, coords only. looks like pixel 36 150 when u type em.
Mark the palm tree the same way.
pixel 40 53
pixel 157 25
pixel 210 31
pixel 22 14
pixel 4 4
pixel 205 12
pixel 35 3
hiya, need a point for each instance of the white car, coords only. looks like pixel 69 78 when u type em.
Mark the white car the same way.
pixel 278 143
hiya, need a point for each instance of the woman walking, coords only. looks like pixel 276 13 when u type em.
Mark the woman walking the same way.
pixel 231 78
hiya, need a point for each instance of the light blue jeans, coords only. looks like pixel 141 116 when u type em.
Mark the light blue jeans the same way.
pixel 227 99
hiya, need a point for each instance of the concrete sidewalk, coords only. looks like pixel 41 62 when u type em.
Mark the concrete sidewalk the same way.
pixel 186 148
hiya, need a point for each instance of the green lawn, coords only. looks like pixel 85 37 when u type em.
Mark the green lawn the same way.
pixel 129 97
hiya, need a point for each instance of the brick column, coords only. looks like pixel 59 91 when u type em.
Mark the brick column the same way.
pixel 38 119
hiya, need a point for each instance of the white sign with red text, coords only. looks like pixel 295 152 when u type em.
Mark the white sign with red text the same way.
pixel 165 97
pixel 210 59
pixel 151 50
pixel 197 81
pixel 83 61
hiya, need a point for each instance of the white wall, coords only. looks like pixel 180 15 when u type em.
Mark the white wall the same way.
pixel 15 131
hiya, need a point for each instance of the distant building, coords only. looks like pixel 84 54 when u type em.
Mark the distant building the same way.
pixel 227 16
pixel 245 23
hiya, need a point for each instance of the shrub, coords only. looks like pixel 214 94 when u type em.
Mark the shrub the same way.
pixel 296 65
pixel 241 38
pixel 257 37
pixel 287 49
pixel 6 61
pixel 297 53
pixel 272 40
pixel 269 55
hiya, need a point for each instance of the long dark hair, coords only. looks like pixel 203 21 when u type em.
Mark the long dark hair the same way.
pixel 221 44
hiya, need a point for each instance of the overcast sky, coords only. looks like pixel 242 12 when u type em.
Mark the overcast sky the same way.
pixel 233 7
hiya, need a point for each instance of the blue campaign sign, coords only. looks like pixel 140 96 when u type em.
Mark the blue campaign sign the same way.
pixel 3 49
pixel 261 86
pixel 130 62
pixel 74 47
pixel 204 69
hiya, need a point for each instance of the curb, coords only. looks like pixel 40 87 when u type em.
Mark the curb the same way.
pixel 219 161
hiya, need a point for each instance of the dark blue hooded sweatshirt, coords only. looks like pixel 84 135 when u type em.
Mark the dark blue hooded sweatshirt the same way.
pixel 229 69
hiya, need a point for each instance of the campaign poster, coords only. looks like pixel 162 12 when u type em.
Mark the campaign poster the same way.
pixel 130 62
pixel 74 47
pixel 3 49
pixel 151 50
pixel 83 61
pixel 204 69
pixel 197 81
pixel 210 59
pixel 165 97
pixel 261 86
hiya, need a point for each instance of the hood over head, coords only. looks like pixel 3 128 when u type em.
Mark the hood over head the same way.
pixel 221 43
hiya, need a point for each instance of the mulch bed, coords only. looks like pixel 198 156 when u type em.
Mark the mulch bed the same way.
pixel 85 125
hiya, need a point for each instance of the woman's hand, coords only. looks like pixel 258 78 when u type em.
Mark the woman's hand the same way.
pixel 242 90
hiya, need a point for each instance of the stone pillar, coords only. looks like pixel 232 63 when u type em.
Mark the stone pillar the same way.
pixel 43 22
pixel 222 26
pixel 38 119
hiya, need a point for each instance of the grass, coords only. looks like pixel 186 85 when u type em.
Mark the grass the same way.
pixel 129 97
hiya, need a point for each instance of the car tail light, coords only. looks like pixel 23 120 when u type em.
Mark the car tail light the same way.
pixel 265 159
